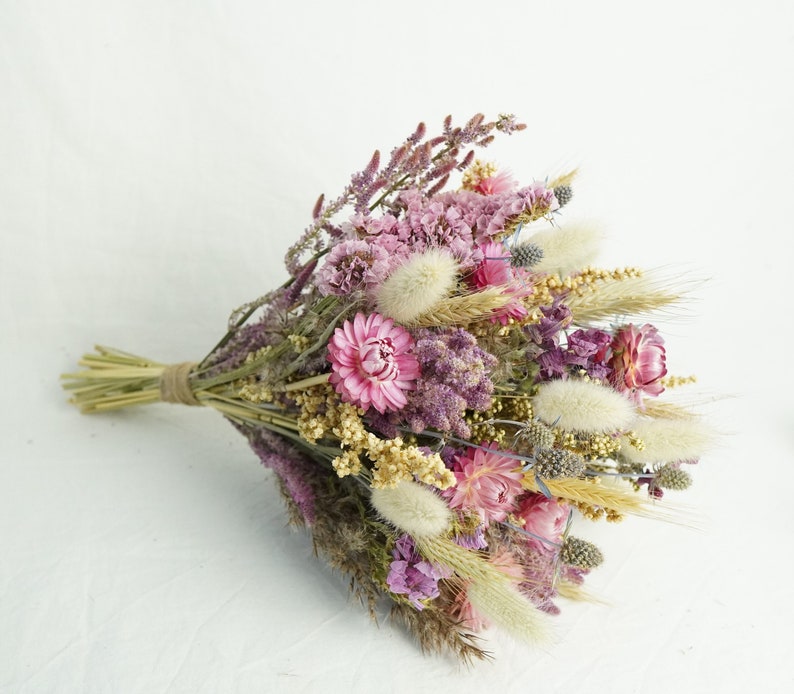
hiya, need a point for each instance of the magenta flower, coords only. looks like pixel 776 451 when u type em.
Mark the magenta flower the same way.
pixel 411 575
pixel 638 360
pixel 486 482
pixel 495 271
pixel 545 519
pixel 500 182
pixel 371 363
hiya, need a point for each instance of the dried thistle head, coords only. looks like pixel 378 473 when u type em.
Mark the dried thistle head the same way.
pixel 580 553
pixel 554 463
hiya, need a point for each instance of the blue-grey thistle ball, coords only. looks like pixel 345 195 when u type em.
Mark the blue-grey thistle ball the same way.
pixel 563 194
pixel 525 254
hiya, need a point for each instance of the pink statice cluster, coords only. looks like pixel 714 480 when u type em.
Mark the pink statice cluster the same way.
pixel 463 223
pixel 353 267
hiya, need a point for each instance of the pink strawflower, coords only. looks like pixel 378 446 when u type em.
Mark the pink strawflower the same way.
pixel 486 482
pixel 371 362
pixel 545 519
pixel 639 361
pixel 500 182
pixel 495 270
pixel 464 612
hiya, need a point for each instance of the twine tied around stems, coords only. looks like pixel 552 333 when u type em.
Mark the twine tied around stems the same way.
pixel 175 384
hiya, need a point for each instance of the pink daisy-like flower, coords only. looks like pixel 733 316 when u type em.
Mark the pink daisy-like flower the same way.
pixel 464 611
pixel 486 482
pixel 495 271
pixel 544 520
pixel 639 361
pixel 372 364
pixel 500 182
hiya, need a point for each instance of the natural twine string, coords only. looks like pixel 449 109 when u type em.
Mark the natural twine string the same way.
pixel 175 384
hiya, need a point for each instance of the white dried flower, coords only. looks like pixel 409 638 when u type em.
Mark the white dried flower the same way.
pixel 417 285
pixel 667 441
pixel 413 508
pixel 579 405
pixel 501 603
pixel 567 248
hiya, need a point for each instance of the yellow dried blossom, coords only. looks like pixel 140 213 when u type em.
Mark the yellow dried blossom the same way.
pixel 256 392
pixel 300 343
pixel 348 463
pixel 477 172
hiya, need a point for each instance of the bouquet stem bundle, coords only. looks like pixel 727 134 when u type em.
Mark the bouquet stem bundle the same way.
pixel 444 385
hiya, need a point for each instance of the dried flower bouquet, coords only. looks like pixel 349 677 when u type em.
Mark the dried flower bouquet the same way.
pixel 442 387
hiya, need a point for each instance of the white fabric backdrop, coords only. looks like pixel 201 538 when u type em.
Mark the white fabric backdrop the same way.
pixel 157 159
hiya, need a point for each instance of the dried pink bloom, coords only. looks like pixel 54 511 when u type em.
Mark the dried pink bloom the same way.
pixel 463 611
pixel 500 182
pixel 639 361
pixel 486 482
pixel 371 362
pixel 545 519
pixel 352 266
pixel 495 271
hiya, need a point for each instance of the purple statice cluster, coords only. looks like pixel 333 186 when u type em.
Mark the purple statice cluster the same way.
pixel 420 162
pixel 295 471
pixel 461 222
pixel 455 378
pixel 585 350
pixel 353 267
pixel 413 576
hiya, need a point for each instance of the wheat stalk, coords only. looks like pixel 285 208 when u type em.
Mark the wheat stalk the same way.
pixel 563 179
pixel 608 298
pixel 589 491
pixel 463 309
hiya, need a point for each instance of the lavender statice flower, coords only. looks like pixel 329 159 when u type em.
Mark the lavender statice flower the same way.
pixel 413 576
pixel 475 540
pixel 546 332
pixel 588 349
pixel 455 378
